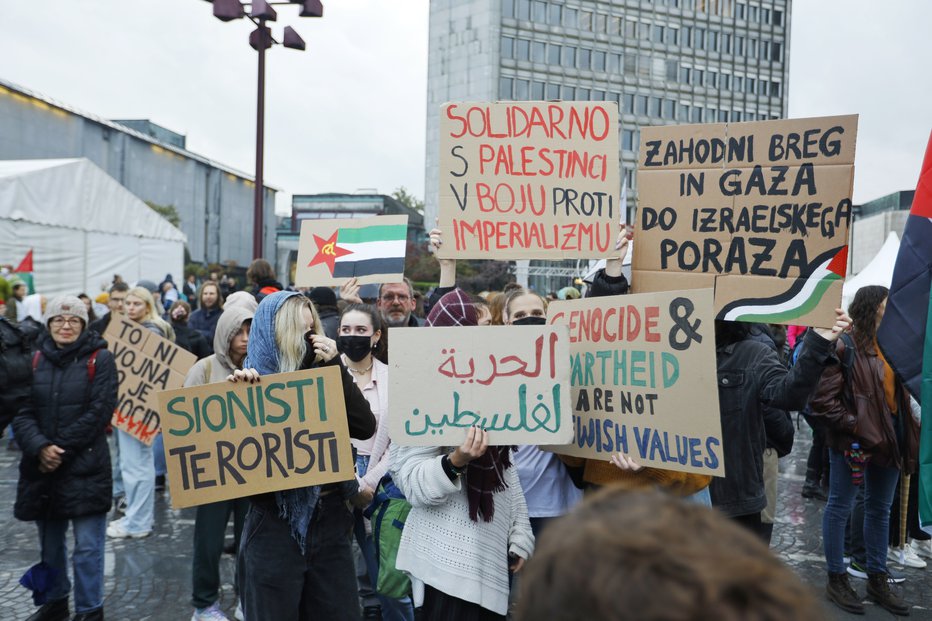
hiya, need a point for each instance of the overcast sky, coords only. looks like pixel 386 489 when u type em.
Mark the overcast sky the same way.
pixel 349 112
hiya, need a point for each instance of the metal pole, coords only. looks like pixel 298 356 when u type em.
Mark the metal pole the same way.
pixel 258 215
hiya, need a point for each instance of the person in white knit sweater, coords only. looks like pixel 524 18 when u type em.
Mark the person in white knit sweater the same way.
pixel 468 526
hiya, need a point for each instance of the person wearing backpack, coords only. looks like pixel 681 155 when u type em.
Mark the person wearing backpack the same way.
pixel 65 467
pixel 15 371
pixel 872 436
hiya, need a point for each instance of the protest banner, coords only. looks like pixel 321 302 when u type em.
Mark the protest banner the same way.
pixel 759 211
pixel 146 363
pixel 643 379
pixel 529 180
pixel 512 381
pixel 228 440
pixel 372 250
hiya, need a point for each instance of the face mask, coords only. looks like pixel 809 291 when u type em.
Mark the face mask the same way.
pixel 355 347
pixel 530 321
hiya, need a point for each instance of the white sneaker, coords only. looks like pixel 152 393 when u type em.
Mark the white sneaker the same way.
pixel 211 613
pixel 906 557
pixel 922 548
pixel 239 611
pixel 116 530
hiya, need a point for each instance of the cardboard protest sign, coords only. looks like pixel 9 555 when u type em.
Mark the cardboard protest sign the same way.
pixel 511 380
pixel 643 379
pixel 146 363
pixel 330 252
pixel 529 180
pixel 760 211
pixel 228 440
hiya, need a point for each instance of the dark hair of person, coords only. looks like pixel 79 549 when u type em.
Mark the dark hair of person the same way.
pixel 647 556
pixel 91 315
pixel 187 312
pixel 119 286
pixel 728 332
pixel 216 286
pixel 381 348
pixel 260 270
pixel 863 312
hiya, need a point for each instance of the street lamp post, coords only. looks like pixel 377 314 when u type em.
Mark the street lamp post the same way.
pixel 260 40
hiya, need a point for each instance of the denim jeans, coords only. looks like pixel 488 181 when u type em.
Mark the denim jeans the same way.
pixel 879 483
pixel 278 582
pixel 392 609
pixel 138 472
pixel 158 454
pixel 87 558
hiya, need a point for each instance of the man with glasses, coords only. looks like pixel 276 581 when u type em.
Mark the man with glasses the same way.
pixel 115 303
pixel 396 304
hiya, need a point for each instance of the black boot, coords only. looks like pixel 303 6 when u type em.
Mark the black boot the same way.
pixel 93 615
pixel 52 611
pixel 839 591
pixel 878 589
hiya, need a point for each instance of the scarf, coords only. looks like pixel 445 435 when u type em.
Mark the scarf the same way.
pixel 295 506
pixel 485 476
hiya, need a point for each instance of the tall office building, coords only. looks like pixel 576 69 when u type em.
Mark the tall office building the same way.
pixel 661 61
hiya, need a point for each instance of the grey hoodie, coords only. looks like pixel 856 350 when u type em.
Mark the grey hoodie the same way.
pixel 217 367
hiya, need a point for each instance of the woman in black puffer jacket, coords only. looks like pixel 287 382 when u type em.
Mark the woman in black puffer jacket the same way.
pixel 65 469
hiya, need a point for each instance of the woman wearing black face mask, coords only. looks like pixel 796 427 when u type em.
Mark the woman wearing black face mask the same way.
pixel 361 341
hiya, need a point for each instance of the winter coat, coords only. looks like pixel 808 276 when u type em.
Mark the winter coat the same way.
pixel 750 378
pixel 73 414
pixel 15 371
pixel 191 340
pixel 266 287
pixel 778 424
pixel 204 320
pixel 891 440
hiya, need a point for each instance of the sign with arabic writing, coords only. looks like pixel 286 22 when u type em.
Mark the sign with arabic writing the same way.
pixel 643 379
pixel 511 380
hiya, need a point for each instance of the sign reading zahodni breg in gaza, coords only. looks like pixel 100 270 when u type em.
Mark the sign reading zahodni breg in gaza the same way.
pixel 643 379
pixel 760 211
pixel 529 180
pixel 330 252
pixel 229 440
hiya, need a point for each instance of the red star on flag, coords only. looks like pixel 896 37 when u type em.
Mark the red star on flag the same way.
pixel 328 251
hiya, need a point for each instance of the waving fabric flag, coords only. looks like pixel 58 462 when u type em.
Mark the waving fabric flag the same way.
pixel 905 334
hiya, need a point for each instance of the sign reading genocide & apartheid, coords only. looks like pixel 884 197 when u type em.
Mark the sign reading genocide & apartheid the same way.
pixel 228 440
pixel 146 363
pixel 330 252
pixel 760 211
pixel 511 380
pixel 643 379
pixel 529 180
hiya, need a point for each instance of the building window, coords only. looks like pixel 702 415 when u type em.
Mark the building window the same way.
pixel 631 64
pixel 569 93
pixel 738 84
pixel 685 34
pixel 569 56
pixel 723 116
pixel 726 43
pixel 585 20
pixel 777 17
pixel 570 17
pixel 508 8
pixel 628 103
pixel 741 10
pixel 682 113
pixel 765 15
pixel 685 75
pixel 695 115
pixel 669 109
pixel 585 58
pixel 752 48
pixel 508 49
pixel 537 90
pixel 582 94
pixel 653 107
pixel 725 83
pixel 712 41
pixel 614 63
pixel 505 86
pixel 630 28
pixel 598 61
pixel 753 13
pixel 553 54
pixel 775 90
pixel 614 26
pixel 656 33
pixel 640 105
pixel 671 66
pixel 522 90
pixel 538 52
pixel 553 91
pixel 540 12
pixel 644 31
pixel 709 115
pixel 600 22
pixel 776 54
pixel 522 49
pixel 555 14
pixel 699 38
pixel 698 77
pixel 524 9
pixel 598 96
pixel 669 36
pixel 627 140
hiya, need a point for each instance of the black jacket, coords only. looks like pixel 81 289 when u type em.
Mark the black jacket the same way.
pixel 191 340
pixel 15 371
pixel 751 377
pixel 778 424
pixel 71 413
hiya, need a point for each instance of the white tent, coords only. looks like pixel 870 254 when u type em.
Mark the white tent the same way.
pixel 878 272
pixel 83 227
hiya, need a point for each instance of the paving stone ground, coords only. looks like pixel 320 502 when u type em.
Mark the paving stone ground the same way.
pixel 150 579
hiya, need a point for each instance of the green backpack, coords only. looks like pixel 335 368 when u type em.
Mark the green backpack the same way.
pixel 389 510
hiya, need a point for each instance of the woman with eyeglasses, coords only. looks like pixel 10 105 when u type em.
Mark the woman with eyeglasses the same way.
pixel 65 468
pixel 295 561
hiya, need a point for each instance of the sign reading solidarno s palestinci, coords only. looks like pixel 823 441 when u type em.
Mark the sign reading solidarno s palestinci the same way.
pixel 760 211
pixel 146 364
pixel 230 440
pixel 643 378
pixel 512 381
pixel 529 180
pixel 330 252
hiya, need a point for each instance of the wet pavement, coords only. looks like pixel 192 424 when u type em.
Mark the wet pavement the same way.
pixel 150 579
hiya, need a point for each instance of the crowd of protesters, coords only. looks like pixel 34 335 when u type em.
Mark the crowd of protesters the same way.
pixel 442 533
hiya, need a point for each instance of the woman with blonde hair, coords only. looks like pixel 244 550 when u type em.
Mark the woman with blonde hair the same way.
pixel 137 469
pixel 295 560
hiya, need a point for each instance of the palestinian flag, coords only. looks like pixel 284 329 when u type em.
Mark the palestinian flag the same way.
pixel 23 272
pixel 355 252
pixel 798 300
pixel 905 334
